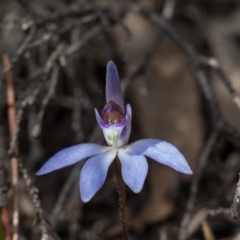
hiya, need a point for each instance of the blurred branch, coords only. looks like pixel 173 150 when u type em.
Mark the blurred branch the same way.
pixel 127 46
pixel 5 218
pixel 214 65
pixel 20 51
pixel 74 48
pixel 235 208
pixel 14 163
pixel 189 52
pixel 51 90
pixel 207 231
pixel 30 29
pixel 29 9
pixel 201 215
pixel 96 136
pixel 198 68
pixel 33 192
pixel 28 100
pixel 168 8
pixel 218 211
pixel 63 195
pixel 77 103
pixel 141 66
pixel 183 234
pixel 6 221
pixel 69 13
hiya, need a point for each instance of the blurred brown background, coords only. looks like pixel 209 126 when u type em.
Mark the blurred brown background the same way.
pixel 179 65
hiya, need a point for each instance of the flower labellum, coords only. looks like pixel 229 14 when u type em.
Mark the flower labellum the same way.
pixel 115 122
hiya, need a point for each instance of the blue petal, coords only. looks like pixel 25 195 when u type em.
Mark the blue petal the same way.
pixel 94 173
pixel 127 128
pixel 162 152
pixel 113 87
pixel 71 155
pixel 100 121
pixel 134 169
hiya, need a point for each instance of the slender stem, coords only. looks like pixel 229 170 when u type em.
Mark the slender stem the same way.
pixel 11 103
pixel 6 222
pixel 122 199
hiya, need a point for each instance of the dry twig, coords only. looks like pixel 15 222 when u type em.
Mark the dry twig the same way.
pixel 199 71
pixel 14 162
pixel 183 234
pixel 53 83
pixel 95 137
pixel 235 208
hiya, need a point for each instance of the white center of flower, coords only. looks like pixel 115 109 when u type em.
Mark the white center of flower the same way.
pixel 113 135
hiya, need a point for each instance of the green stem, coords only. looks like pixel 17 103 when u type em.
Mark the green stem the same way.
pixel 122 198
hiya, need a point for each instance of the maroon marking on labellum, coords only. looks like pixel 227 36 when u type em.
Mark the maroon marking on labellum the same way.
pixel 112 113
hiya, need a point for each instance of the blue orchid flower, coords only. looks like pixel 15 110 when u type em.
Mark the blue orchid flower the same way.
pixel 115 121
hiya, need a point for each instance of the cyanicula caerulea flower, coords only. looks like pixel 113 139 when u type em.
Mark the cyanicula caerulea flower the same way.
pixel 115 121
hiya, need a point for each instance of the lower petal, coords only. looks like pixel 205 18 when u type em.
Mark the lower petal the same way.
pixel 94 173
pixel 134 170
pixel 162 152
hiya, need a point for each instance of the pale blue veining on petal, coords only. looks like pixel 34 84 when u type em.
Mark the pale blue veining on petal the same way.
pixel 162 152
pixel 94 173
pixel 71 155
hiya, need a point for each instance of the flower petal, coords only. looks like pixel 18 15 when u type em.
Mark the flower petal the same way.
pixel 94 173
pixel 162 152
pixel 134 170
pixel 113 87
pixel 100 121
pixel 127 129
pixel 71 155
